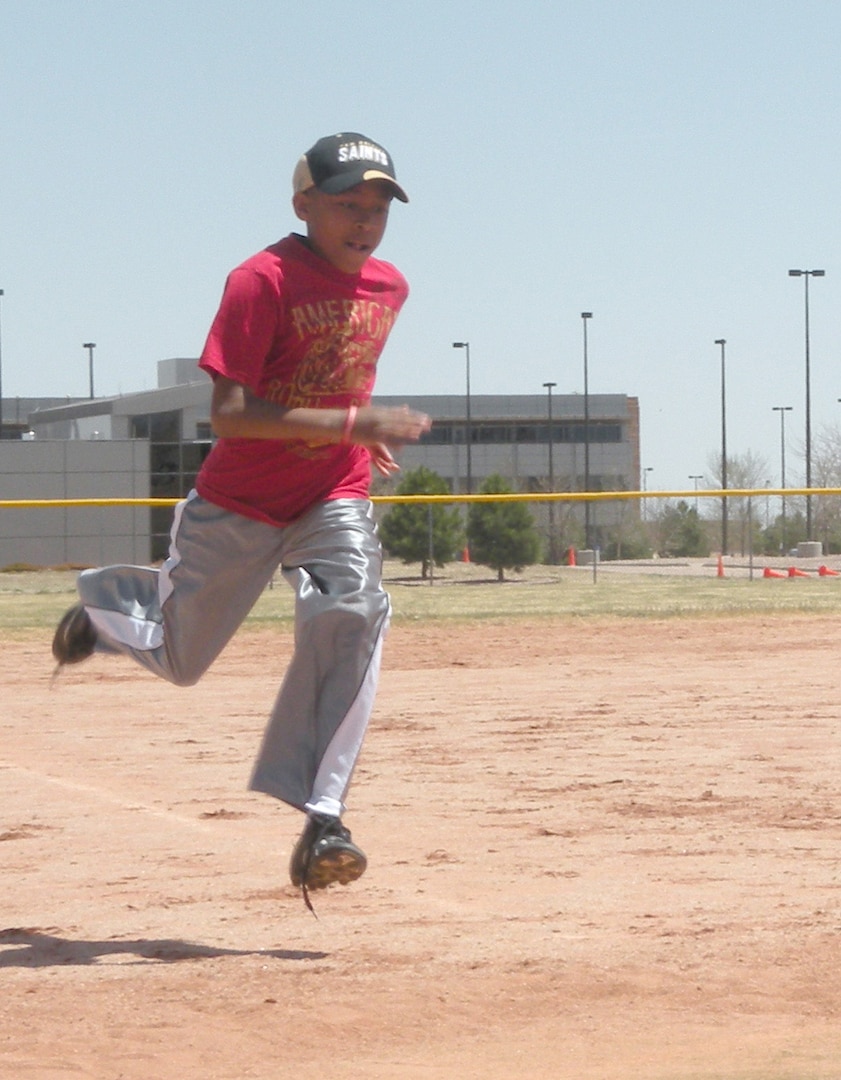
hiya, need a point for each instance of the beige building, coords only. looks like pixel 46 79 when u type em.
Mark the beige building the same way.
pixel 152 444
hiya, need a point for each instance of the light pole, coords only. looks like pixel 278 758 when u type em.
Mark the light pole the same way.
pixel 645 472
pixel 90 346
pixel 549 388
pixel 585 317
pixel 468 432
pixel 696 477
pixel 722 342
pixel 2 294
pixel 782 410
pixel 806 274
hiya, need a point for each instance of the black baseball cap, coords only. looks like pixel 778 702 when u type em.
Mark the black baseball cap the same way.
pixel 338 162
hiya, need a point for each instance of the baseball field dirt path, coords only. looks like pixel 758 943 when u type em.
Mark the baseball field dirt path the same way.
pixel 599 850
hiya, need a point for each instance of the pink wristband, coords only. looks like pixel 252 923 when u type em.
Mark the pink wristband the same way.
pixel 350 420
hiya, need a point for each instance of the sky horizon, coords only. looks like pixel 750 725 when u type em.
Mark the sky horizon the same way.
pixel 660 165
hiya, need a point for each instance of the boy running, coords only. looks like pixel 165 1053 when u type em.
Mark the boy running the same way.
pixel 292 353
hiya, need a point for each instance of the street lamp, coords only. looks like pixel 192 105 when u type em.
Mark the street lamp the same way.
pixel 782 410
pixel 645 472
pixel 90 346
pixel 722 342
pixel 468 427
pixel 806 274
pixel 549 388
pixel 696 477
pixel 585 316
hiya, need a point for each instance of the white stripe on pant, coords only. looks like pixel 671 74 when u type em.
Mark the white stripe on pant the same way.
pixel 176 620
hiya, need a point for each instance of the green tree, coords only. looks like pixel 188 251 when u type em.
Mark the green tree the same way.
pixel 428 533
pixel 628 540
pixel 501 535
pixel 777 540
pixel 681 532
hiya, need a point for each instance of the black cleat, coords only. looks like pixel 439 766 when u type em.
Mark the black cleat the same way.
pixel 325 855
pixel 75 637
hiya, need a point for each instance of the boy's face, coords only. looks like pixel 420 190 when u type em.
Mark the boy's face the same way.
pixel 345 229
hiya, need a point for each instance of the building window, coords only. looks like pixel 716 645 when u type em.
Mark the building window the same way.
pixel 165 427
pixel 139 427
pixel 489 433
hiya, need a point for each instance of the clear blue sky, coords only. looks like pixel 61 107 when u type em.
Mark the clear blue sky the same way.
pixel 659 163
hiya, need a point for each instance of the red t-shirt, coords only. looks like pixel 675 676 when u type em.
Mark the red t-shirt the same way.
pixel 295 330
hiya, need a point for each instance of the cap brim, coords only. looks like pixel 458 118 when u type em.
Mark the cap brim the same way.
pixel 335 185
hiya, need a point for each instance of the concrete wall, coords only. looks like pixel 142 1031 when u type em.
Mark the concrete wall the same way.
pixel 77 536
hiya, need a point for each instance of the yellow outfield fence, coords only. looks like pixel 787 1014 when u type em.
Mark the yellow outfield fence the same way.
pixel 530 496
pixel 118 532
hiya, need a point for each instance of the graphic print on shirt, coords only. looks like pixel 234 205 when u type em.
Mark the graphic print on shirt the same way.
pixel 341 343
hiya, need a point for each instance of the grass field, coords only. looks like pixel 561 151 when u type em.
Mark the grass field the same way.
pixel 37 598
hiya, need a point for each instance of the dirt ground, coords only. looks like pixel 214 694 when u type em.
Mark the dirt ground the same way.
pixel 599 850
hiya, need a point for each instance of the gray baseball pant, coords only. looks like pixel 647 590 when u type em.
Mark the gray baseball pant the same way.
pixel 176 620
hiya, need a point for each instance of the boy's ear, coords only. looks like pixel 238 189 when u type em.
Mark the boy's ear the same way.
pixel 301 205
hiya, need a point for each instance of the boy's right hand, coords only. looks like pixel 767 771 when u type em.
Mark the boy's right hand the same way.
pixel 383 460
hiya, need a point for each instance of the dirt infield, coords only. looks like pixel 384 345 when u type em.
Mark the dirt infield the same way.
pixel 599 850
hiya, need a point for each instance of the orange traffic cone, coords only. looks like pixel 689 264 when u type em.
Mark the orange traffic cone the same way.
pixel 465 555
pixel 794 572
pixel 768 572
pixel 571 557
pixel 825 571
pixel 720 571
